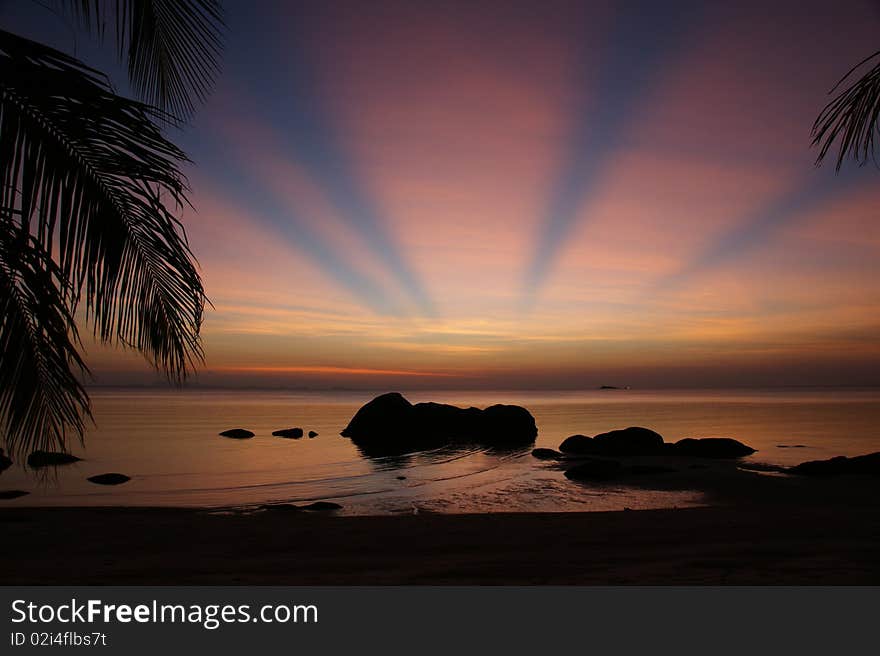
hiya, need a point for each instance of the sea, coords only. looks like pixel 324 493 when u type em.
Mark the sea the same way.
pixel 167 441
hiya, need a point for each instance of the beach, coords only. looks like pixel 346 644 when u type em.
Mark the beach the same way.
pixel 756 530
pixel 745 545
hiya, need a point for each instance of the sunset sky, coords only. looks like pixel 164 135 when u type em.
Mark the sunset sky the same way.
pixel 525 194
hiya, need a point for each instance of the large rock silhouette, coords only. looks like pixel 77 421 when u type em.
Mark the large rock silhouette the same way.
pixel 390 425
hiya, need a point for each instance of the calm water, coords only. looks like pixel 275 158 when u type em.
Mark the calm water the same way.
pixel 167 442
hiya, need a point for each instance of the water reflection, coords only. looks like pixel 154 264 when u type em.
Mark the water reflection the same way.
pixel 396 457
pixel 167 442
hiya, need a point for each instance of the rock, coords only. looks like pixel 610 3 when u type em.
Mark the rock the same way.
pixel 237 433
pixel 50 459
pixel 506 425
pixel 577 444
pixel 866 464
pixel 711 447
pixel 292 433
pixel 401 478
pixel 632 441
pixel 547 454
pixel 391 425
pixel 313 434
pixel 284 507
pixel 12 494
pixel 109 479
pixel 390 413
pixel 593 469
pixel 638 441
pixel 319 506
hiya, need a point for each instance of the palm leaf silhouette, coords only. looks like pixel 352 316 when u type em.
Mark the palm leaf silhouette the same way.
pixel 41 397
pixel 851 117
pixel 171 47
pixel 88 177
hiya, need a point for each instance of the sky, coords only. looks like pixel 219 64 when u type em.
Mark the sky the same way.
pixel 523 194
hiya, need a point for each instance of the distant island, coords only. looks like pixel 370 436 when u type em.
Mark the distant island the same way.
pixel 613 387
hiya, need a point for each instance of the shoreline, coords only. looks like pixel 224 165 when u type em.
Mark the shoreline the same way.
pixel 754 544
pixel 756 529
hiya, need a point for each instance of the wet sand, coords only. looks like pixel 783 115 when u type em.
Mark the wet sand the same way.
pixel 819 532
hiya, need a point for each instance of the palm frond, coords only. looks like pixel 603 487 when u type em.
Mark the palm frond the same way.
pixel 171 47
pixel 851 117
pixel 91 177
pixel 41 398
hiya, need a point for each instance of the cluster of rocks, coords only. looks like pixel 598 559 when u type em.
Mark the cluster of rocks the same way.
pixel 592 458
pixel 289 433
pixel 391 425
pixel 638 441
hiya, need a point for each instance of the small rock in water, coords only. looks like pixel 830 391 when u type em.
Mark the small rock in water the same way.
pixel 321 506
pixel 49 459
pixel 313 434
pixel 237 433
pixel 288 507
pixel 291 433
pixel 109 479
pixel 12 494
pixel 401 478
pixel 546 454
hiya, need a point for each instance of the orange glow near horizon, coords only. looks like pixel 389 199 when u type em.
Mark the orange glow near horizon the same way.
pixel 327 370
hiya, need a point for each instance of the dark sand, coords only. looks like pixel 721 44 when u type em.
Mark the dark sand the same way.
pixel 762 530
